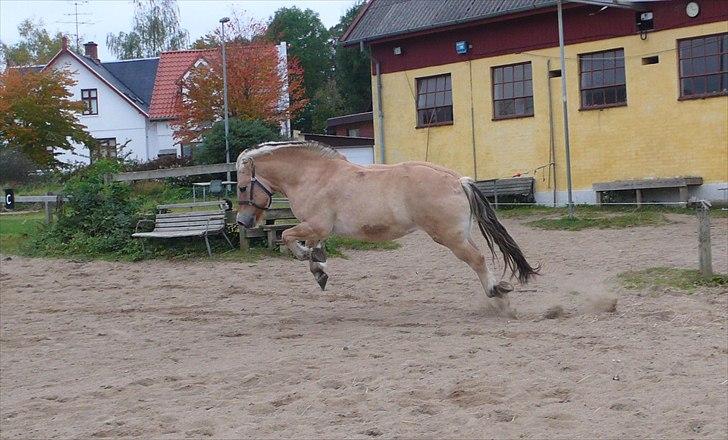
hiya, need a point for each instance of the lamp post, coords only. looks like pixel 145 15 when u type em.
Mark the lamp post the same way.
pixel 224 92
pixel 566 111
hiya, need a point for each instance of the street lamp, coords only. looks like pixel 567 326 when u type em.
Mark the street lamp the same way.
pixel 225 93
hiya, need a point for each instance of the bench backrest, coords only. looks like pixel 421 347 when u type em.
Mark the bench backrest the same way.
pixel 516 186
pixel 190 221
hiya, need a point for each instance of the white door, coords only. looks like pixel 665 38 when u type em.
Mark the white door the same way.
pixel 358 155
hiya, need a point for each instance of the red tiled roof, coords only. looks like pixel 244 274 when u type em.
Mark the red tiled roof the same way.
pixel 172 65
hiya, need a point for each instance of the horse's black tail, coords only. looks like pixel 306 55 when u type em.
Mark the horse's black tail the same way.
pixel 493 231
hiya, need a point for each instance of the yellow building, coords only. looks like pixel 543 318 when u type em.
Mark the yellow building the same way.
pixel 476 86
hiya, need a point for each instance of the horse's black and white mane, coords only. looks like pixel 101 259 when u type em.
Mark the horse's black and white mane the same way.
pixel 271 147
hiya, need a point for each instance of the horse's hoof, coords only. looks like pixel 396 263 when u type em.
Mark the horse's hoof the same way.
pixel 500 289
pixel 318 255
pixel 322 279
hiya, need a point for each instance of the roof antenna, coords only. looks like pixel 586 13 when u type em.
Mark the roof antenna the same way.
pixel 76 14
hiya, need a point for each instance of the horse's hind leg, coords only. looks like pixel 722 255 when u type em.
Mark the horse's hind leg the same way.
pixel 317 263
pixel 466 251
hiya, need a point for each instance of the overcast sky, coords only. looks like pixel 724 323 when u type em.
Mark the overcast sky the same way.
pixel 197 16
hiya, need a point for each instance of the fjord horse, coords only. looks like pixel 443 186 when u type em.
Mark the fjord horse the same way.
pixel 330 195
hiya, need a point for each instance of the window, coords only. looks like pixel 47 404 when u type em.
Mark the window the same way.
pixel 703 66
pixel 105 149
pixel 434 100
pixel 512 91
pixel 602 81
pixel 353 132
pixel 90 101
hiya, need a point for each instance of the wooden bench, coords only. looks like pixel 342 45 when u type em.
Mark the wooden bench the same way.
pixel 271 229
pixel 190 223
pixel 681 183
pixel 520 187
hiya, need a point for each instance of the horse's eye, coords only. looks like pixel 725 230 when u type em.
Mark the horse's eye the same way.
pixel 242 188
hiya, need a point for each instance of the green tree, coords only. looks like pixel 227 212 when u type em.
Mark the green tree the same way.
pixel 243 134
pixel 36 45
pixel 308 41
pixel 156 29
pixel 352 68
pixel 326 103
pixel 37 116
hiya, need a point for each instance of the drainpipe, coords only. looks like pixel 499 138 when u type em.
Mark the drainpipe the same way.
pixel 380 113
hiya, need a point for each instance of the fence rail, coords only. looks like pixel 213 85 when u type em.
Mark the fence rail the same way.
pixel 174 172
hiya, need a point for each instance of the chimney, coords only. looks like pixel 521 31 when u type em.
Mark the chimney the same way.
pixel 64 42
pixel 91 50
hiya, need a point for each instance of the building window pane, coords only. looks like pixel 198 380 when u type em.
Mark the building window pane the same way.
pixel 512 91
pixel 703 66
pixel 434 100
pixel 105 149
pixel 602 79
pixel 90 101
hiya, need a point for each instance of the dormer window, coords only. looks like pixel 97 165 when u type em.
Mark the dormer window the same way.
pixel 90 101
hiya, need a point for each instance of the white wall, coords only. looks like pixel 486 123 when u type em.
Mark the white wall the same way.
pixel 161 138
pixel 117 118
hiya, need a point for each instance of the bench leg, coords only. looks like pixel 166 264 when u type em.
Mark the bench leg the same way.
pixel 207 243
pixel 227 239
pixel 638 196
pixel 272 239
pixel 684 195
pixel 599 198
pixel 244 243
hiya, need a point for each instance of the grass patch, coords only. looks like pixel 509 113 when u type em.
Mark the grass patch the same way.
pixel 16 229
pixel 682 279
pixel 336 243
pixel 618 221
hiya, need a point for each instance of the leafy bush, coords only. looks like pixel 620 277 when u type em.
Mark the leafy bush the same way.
pixel 16 167
pixel 243 135
pixel 98 219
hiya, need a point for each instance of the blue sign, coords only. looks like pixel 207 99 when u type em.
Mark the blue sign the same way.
pixel 461 47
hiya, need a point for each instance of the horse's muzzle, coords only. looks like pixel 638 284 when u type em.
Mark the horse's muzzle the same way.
pixel 245 220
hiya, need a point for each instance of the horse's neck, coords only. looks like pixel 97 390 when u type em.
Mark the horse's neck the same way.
pixel 286 172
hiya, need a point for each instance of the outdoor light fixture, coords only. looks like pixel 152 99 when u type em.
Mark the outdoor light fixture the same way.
pixel 225 93
pixel 462 47
pixel 397 50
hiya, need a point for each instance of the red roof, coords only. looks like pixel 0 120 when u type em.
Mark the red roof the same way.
pixel 172 66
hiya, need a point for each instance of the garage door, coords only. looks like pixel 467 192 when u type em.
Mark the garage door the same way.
pixel 358 155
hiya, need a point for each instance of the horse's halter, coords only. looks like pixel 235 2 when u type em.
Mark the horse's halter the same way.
pixel 253 182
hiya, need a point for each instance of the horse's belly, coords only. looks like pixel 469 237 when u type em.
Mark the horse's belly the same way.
pixel 373 230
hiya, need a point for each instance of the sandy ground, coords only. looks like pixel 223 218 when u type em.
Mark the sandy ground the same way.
pixel 398 346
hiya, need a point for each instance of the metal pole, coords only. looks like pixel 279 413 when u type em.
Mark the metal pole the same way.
pixel 566 111
pixel 704 254
pixel 225 92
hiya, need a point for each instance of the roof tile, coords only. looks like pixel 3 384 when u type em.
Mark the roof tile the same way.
pixel 172 65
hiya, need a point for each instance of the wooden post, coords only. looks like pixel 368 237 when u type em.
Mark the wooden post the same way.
pixel 638 196
pixel 48 212
pixel 684 196
pixel 244 243
pixel 706 260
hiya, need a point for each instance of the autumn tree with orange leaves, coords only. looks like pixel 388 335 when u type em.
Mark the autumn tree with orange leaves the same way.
pixel 256 86
pixel 38 117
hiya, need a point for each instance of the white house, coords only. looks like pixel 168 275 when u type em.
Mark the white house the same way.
pixel 116 97
pixel 130 104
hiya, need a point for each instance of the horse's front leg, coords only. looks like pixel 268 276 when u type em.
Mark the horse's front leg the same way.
pixel 314 252
pixel 317 263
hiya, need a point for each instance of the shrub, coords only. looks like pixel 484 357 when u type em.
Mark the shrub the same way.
pixel 16 167
pixel 98 219
pixel 243 135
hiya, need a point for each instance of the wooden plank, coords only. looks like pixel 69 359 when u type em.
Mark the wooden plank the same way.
pixel 215 225
pixel 172 234
pixel 174 172
pixel 191 214
pixel 276 227
pixel 189 218
pixel 674 182
pixel 704 250
pixel 191 205
pixel 39 199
